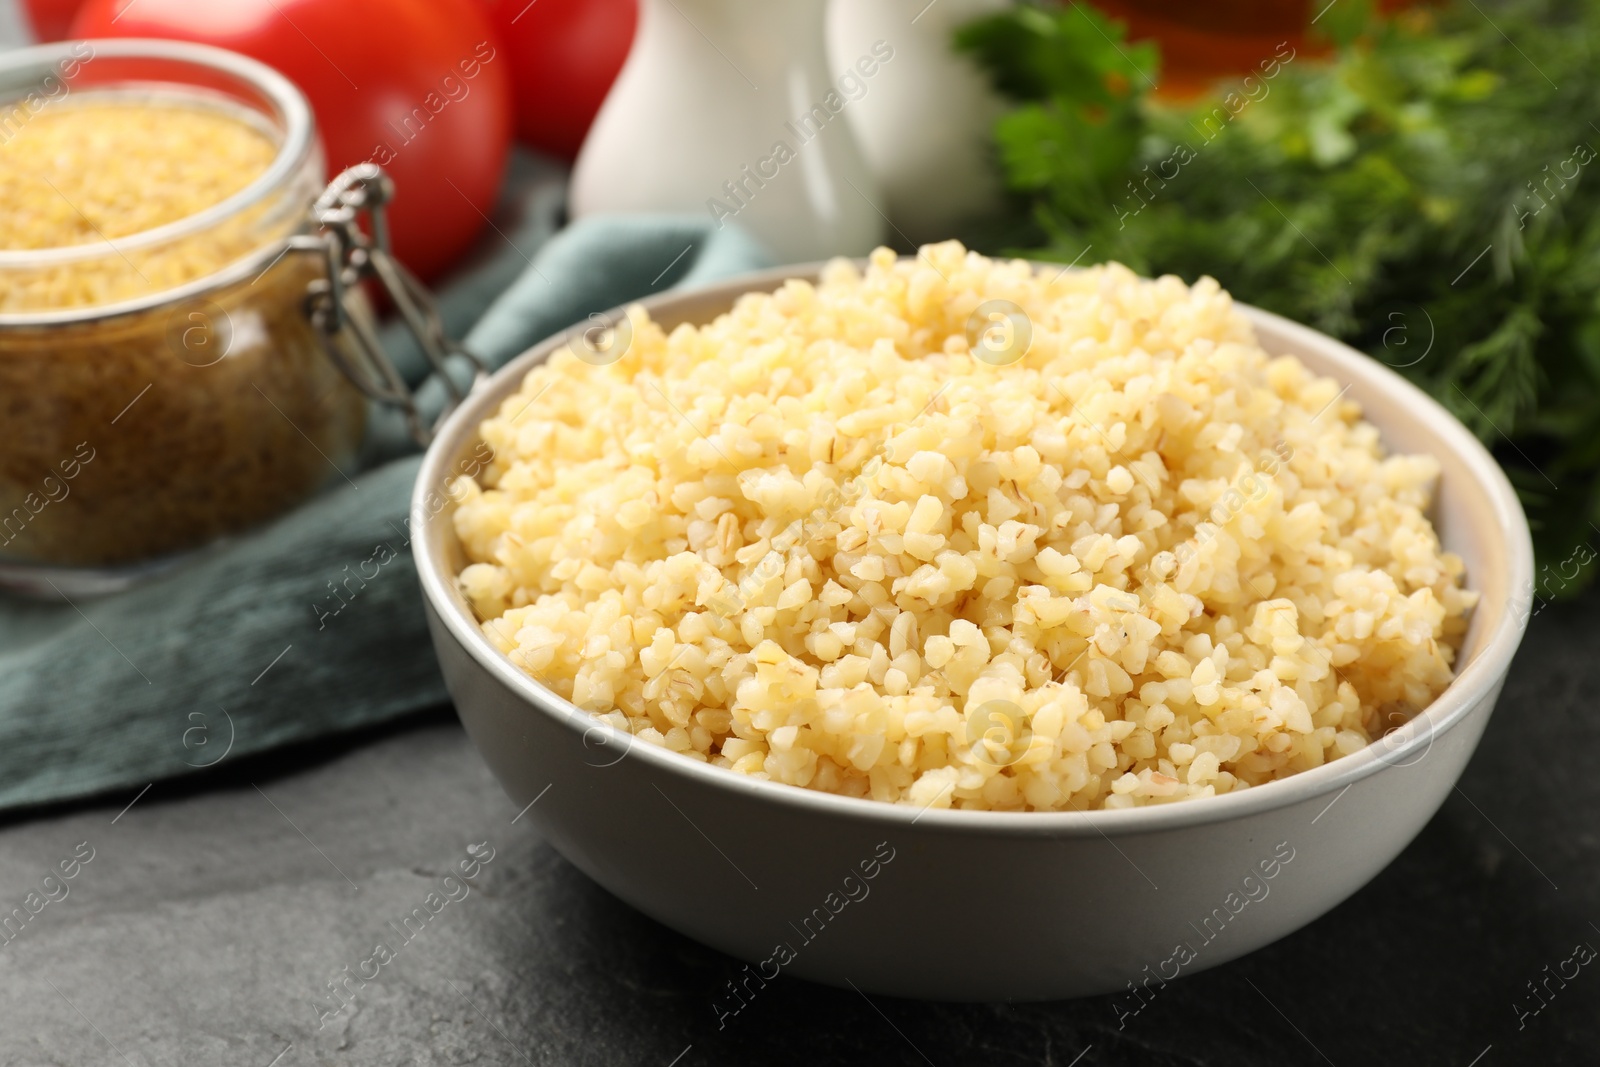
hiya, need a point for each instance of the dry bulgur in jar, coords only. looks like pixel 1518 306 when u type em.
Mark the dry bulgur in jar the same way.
pixel 161 385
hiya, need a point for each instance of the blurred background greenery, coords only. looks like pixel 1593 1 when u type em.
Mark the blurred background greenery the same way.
pixel 1414 181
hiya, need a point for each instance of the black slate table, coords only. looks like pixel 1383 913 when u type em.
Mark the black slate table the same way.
pixel 213 915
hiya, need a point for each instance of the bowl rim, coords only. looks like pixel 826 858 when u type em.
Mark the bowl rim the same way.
pixel 1473 684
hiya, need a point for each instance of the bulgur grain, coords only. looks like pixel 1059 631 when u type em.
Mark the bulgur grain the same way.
pixel 96 167
pixel 188 445
pixel 818 541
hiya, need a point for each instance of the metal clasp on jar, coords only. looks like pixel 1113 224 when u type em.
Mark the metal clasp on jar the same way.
pixel 348 330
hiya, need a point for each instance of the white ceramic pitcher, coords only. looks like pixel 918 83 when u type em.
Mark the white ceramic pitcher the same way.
pixel 731 109
pixel 925 127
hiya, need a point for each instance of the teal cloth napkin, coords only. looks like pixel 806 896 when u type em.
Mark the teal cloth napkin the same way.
pixel 247 647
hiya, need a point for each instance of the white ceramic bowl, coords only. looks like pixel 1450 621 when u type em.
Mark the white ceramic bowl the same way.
pixel 968 905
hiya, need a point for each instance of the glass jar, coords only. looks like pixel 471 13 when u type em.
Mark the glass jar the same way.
pixel 162 390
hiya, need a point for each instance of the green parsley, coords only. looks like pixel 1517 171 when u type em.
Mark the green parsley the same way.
pixel 1423 193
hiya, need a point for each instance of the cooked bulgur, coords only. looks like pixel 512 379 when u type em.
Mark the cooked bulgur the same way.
pixel 820 541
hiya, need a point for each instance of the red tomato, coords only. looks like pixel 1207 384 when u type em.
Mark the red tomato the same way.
pixel 51 18
pixel 564 56
pixel 420 87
